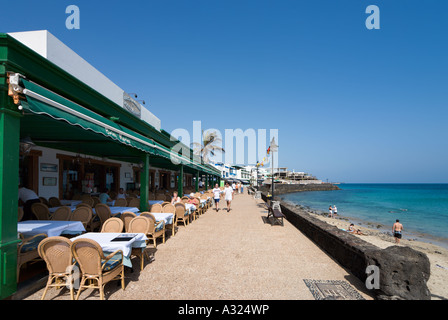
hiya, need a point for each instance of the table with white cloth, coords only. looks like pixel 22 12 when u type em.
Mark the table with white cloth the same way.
pixel 70 202
pixel 190 207
pixel 51 228
pixel 167 217
pixel 151 202
pixel 53 209
pixel 104 239
pixel 120 210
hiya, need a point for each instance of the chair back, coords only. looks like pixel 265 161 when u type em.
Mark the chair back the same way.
pixel 89 201
pixel 185 199
pixel 180 210
pixel 103 212
pixel 54 202
pixel 83 214
pixel 84 204
pixel 120 203
pixel 88 254
pixel 20 214
pixel 56 253
pixel 169 208
pixel 127 217
pixel 139 225
pixel 40 211
pixel 156 207
pixel 113 224
pixel 62 214
pixel 151 218
pixel 165 203
pixel 44 201
pixel 96 200
pixel 134 202
pixel 168 197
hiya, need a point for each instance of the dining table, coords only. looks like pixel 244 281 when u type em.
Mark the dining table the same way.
pixel 105 240
pixel 113 210
pixel 51 228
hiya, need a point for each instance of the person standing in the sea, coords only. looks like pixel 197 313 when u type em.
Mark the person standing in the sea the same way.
pixel 335 211
pixel 397 229
pixel 330 212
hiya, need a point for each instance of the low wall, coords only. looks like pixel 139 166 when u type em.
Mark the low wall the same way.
pixel 403 272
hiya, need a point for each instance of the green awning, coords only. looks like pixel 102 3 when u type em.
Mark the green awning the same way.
pixel 45 103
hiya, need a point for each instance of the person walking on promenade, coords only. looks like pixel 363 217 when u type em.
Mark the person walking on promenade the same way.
pixel 216 196
pixel 330 212
pixel 397 229
pixel 228 192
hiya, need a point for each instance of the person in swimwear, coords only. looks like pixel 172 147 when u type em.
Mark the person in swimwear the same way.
pixel 397 228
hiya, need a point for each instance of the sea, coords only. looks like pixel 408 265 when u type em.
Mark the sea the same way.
pixel 421 208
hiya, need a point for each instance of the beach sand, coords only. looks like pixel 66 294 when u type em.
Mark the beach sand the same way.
pixel 437 255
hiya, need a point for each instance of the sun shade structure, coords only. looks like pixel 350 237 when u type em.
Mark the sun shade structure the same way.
pixel 42 101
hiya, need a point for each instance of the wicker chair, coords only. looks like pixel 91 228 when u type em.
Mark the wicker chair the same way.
pixel 84 204
pixel 83 214
pixel 95 266
pixel 169 208
pixel 181 214
pixel 140 225
pixel 156 230
pixel 20 214
pixel 127 217
pixel 165 203
pixel 185 199
pixel 62 214
pixel 89 201
pixel 134 202
pixel 40 211
pixel 54 202
pixel 57 255
pixel 96 200
pixel 102 212
pixel 113 224
pixel 27 250
pixel 157 207
pixel 45 201
pixel 120 203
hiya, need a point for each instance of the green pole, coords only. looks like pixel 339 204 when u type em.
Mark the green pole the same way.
pixel 206 181
pixel 180 181
pixel 9 182
pixel 144 184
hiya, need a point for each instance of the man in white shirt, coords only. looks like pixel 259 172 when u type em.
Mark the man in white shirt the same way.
pixel 216 196
pixel 228 192
pixel 28 197
pixel 121 194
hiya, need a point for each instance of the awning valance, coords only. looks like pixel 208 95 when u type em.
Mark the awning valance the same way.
pixel 43 102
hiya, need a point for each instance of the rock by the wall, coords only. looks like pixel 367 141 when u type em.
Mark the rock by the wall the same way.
pixel 290 188
pixel 403 271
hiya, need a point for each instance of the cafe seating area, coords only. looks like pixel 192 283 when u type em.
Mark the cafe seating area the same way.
pixel 97 241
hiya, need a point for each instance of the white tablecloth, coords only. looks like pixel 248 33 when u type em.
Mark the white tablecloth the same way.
pixel 190 207
pixel 70 202
pixel 167 217
pixel 151 202
pixel 50 227
pixel 116 210
pixel 52 210
pixel 104 240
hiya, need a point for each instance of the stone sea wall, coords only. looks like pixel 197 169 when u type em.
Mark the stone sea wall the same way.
pixel 403 272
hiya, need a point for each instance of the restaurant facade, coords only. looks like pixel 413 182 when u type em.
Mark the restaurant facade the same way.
pixel 66 129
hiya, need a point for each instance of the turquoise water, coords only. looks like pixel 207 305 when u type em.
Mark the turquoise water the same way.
pixel 421 208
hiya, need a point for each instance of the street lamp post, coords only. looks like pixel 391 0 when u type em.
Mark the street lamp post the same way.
pixel 273 148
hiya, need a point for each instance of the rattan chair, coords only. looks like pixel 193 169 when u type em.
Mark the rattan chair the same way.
pixel 20 214
pixel 96 200
pixel 40 211
pixel 134 202
pixel 102 212
pixel 169 208
pixel 62 214
pixel 156 207
pixel 45 201
pixel 140 225
pixel 165 203
pixel 89 201
pixel 84 204
pixel 127 217
pixel 114 225
pixel 120 203
pixel 95 267
pixel 54 202
pixel 181 214
pixel 184 199
pixel 156 230
pixel 27 250
pixel 83 214
pixel 57 255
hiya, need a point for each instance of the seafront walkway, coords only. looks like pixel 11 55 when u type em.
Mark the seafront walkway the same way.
pixel 228 256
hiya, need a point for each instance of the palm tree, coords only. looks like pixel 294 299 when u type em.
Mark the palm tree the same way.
pixel 208 146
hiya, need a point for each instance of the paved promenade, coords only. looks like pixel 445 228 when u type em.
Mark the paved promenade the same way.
pixel 228 256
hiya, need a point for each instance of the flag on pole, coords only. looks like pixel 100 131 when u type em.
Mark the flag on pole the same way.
pixel 269 149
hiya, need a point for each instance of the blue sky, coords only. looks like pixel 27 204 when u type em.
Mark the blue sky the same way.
pixel 350 104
